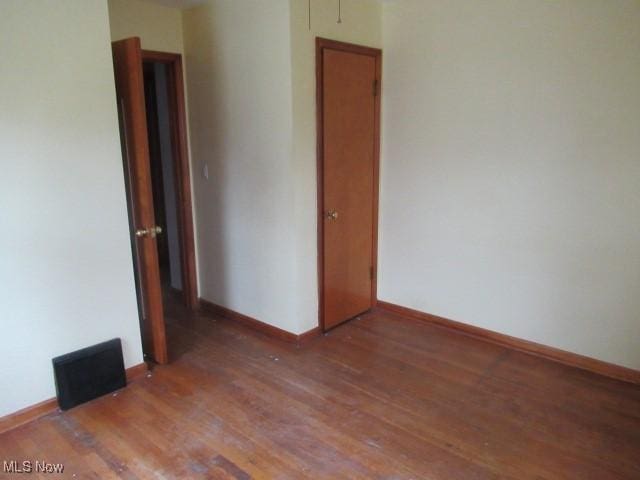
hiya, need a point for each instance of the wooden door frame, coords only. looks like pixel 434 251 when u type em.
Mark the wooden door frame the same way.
pixel 181 171
pixel 321 45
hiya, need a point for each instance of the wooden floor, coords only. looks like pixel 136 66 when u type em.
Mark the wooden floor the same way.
pixel 381 397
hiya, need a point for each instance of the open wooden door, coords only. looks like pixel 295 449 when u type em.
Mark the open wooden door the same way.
pixel 127 61
pixel 348 150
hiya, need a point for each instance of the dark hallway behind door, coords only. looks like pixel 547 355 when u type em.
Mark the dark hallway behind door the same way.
pixel 163 174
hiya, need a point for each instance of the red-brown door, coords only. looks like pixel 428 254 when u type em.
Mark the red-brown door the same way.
pixel 349 103
pixel 127 60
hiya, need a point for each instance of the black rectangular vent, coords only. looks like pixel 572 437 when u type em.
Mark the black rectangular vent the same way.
pixel 89 373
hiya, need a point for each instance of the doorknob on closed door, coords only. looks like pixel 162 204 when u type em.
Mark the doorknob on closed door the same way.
pixel 332 215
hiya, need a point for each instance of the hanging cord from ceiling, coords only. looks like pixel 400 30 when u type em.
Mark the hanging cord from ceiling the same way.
pixel 339 11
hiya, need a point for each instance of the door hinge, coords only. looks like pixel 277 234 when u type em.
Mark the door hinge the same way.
pixel 375 87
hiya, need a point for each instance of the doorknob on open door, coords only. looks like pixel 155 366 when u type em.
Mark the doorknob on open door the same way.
pixel 332 215
pixel 153 231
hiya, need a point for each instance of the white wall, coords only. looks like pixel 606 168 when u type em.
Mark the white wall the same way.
pixel 159 27
pixel 239 92
pixel 66 268
pixel 511 172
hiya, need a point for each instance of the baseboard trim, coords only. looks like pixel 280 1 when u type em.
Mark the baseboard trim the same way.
pixel 33 412
pixel 134 373
pixel 257 325
pixel 308 335
pixel 27 414
pixel 550 353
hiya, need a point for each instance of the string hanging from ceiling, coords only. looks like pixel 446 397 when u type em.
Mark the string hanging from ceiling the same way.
pixel 339 20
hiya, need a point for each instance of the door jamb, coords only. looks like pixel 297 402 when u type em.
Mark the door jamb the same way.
pixel 182 176
pixel 321 44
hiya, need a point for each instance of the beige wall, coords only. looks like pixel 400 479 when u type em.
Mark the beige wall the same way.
pixel 66 270
pixel 510 193
pixel 361 24
pixel 159 27
pixel 239 84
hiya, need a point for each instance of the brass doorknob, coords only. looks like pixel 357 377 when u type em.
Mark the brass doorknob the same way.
pixel 153 231
pixel 332 215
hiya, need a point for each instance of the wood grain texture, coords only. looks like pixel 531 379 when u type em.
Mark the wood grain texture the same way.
pixel 27 414
pixel 127 63
pixel 567 358
pixel 257 325
pixel 348 109
pixel 381 397
pixel 38 410
pixel 348 81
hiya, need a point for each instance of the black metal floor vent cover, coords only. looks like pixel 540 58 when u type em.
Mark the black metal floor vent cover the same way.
pixel 89 373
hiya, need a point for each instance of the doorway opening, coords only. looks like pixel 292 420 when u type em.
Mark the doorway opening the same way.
pixel 170 178
pixel 165 205
pixel 151 107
